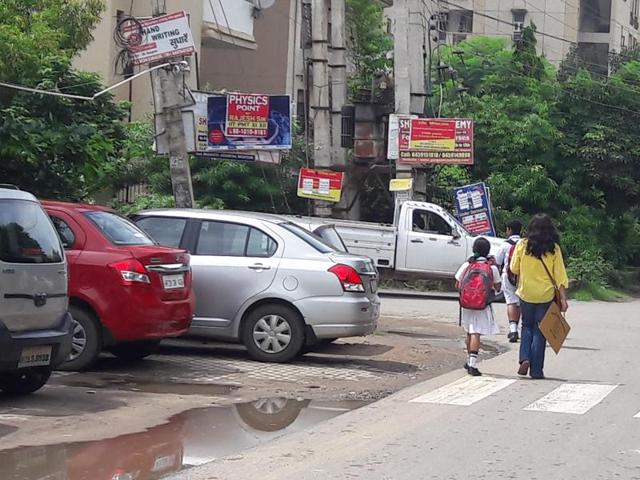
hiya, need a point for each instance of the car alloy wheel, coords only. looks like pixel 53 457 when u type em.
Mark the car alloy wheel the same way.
pixel 78 340
pixel 272 334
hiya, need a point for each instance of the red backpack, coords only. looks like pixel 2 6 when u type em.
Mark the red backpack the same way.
pixel 511 277
pixel 476 286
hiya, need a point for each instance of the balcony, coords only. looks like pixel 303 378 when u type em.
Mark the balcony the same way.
pixel 228 24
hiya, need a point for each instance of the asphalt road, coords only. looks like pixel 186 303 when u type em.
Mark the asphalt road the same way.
pixel 582 422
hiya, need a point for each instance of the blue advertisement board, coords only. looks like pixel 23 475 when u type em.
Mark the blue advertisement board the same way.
pixel 473 209
pixel 248 122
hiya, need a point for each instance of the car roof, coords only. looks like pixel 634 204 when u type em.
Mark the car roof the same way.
pixel 13 194
pixel 74 206
pixel 214 214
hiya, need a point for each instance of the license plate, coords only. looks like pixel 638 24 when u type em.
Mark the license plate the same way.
pixel 173 281
pixel 162 463
pixel 35 356
pixel 374 285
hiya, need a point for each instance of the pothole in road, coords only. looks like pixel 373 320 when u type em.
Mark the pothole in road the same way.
pixel 190 438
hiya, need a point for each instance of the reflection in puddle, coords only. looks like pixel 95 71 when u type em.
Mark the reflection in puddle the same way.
pixel 190 438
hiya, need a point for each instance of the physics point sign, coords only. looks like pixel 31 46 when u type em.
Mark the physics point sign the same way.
pixel 247 115
pixel 436 140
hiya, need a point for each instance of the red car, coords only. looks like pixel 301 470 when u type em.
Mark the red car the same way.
pixel 126 293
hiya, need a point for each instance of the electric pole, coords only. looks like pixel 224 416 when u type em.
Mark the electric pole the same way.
pixel 320 106
pixel 338 81
pixel 169 99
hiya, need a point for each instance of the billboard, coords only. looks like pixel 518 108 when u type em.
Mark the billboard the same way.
pixel 473 209
pixel 217 126
pixel 160 38
pixel 247 122
pixel 320 184
pixel 436 140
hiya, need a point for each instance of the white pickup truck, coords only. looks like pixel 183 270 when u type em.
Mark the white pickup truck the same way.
pixel 426 241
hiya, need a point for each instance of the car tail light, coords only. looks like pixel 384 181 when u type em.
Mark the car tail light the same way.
pixel 349 278
pixel 131 271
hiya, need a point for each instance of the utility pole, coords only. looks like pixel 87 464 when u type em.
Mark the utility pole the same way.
pixel 320 106
pixel 402 81
pixel 409 34
pixel 338 80
pixel 169 99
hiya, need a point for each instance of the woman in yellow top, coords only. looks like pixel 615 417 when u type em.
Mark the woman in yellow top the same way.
pixel 535 288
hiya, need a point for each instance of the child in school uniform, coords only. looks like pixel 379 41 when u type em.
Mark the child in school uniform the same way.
pixel 478 322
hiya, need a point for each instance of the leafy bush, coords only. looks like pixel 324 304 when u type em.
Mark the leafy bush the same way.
pixel 589 267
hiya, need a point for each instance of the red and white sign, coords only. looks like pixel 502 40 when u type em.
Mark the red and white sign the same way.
pixel 162 37
pixel 441 140
pixel 247 115
pixel 320 184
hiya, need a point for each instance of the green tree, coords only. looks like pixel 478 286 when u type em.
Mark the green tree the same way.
pixel 369 44
pixel 52 146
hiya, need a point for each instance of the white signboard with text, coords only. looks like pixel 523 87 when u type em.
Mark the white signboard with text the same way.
pixel 162 37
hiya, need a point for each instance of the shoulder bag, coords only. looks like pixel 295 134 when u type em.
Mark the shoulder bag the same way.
pixel 554 326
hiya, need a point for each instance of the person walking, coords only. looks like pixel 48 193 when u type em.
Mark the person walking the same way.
pixel 477 279
pixel 538 262
pixel 509 279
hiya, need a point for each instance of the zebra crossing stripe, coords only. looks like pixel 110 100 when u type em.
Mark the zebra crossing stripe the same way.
pixel 574 398
pixel 637 415
pixel 466 391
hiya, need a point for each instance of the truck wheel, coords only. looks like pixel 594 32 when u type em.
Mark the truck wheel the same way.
pixel 24 381
pixel 273 333
pixel 135 350
pixel 86 342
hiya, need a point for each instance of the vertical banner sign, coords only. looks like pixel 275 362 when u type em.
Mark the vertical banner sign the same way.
pixel 439 140
pixel 320 184
pixel 247 115
pixel 473 209
pixel 399 128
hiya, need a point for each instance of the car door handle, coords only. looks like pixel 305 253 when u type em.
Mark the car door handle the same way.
pixel 433 239
pixel 259 266
pixel 415 240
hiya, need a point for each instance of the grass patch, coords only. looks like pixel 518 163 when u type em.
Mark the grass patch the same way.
pixel 591 291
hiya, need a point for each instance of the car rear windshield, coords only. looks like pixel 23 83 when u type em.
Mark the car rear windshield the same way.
pixel 118 230
pixel 26 234
pixel 308 237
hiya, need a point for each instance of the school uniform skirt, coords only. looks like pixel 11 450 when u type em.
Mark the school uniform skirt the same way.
pixel 481 322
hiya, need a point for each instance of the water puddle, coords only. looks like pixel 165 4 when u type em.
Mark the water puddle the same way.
pixel 188 439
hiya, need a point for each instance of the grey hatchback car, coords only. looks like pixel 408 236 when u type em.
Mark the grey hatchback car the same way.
pixel 35 326
pixel 267 282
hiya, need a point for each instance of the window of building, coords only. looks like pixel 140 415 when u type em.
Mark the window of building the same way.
pixel 518 18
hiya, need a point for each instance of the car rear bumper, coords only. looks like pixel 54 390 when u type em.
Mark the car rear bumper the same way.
pixel 149 320
pixel 11 344
pixel 335 317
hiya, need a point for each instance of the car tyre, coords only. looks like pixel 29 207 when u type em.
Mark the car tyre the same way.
pixel 135 350
pixel 273 333
pixel 86 342
pixel 24 381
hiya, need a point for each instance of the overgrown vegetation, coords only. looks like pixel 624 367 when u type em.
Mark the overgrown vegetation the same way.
pixel 54 147
pixel 369 44
pixel 566 146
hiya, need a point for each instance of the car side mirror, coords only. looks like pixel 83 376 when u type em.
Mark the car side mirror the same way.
pixel 456 234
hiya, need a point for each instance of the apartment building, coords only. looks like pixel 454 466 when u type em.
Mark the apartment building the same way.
pixel 215 24
pixel 596 27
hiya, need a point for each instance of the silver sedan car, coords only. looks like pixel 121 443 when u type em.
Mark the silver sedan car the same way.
pixel 267 282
